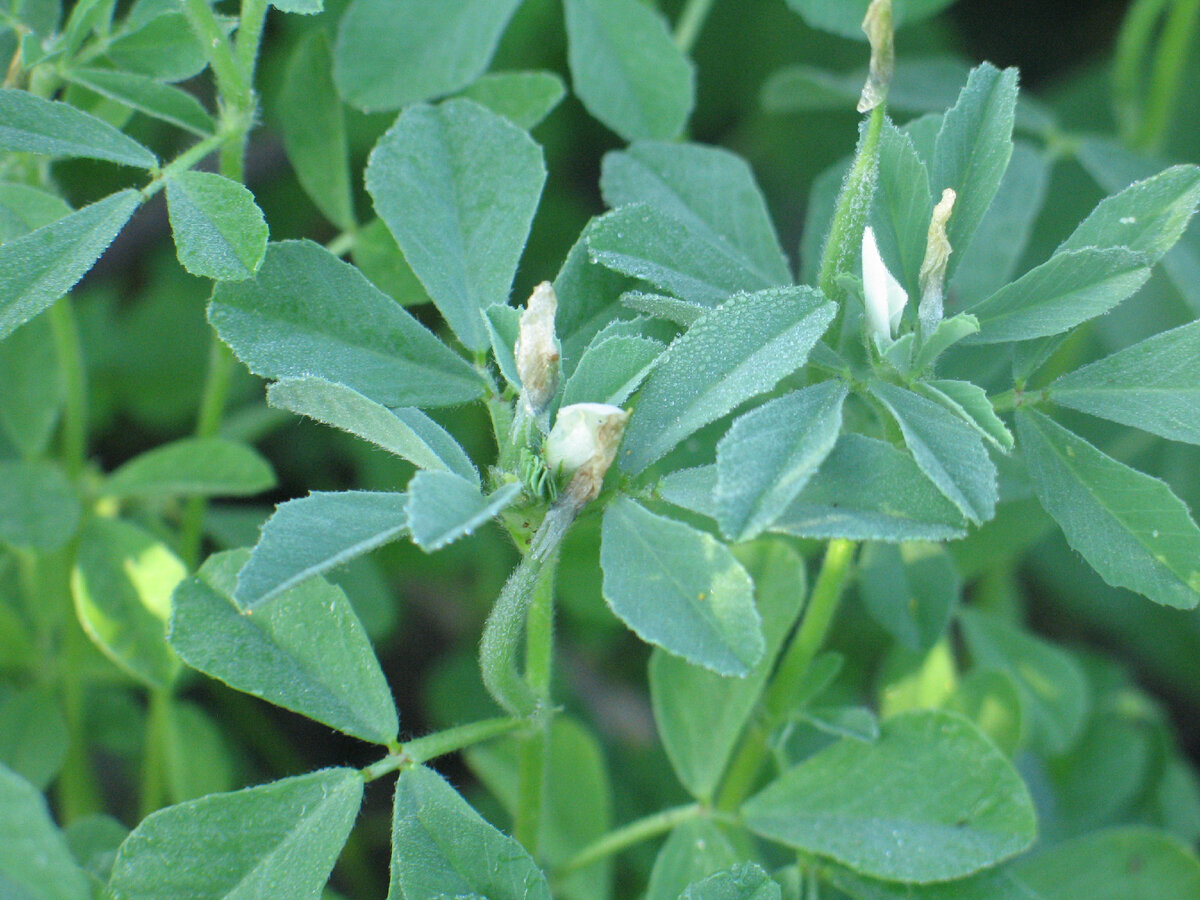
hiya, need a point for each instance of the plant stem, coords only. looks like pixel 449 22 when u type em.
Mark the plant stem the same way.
pixel 539 656
pixel 154 756
pixel 77 792
pixel 819 613
pixel 1133 44
pixel 628 835
pixel 690 22
pixel 208 423
pixel 231 81
pixel 850 216
pixel 440 743
pixel 342 244
pixel 249 36
pixel 1169 60
pixel 70 361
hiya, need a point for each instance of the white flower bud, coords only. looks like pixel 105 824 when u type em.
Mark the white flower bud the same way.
pixel 583 444
pixel 877 25
pixel 885 298
pixel 537 351
pixel 933 266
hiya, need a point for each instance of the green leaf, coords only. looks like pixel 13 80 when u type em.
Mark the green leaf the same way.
pixel 204 467
pixel 1069 288
pixel 314 534
pixel 379 257
pixel 971 404
pixel 1147 217
pixel 390 53
pixel 588 298
pixel 458 186
pixel 692 851
pixel 24 208
pixel 164 47
pixel 34 859
pixel 1129 526
pixel 219 230
pixel 626 70
pixel 39 508
pixel 94 840
pixel 745 881
pixel 972 151
pixel 699 738
pixel 33 736
pixel 305 650
pixel 314 128
pixel 300 7
pixel 770 453
pixel 991 699
pixel 660 306
pixel 144 94
pixel 524 98
pixel 197 760
pixel 989 260
pixel 577 796
pixel 38 268
pixel 901 207
pixel 406 432
pixel 947 450
pixel 994 884
pixel 931 800
pixel 308 313
pixel 1153 385
pixel 856 722
pixel 844 17
pixel 737 351
pixel 1114 865
pixel 947 333
pixel 1053 690
pixel 712 192
pixel 504 326
pixel 910 590
pixel 611 370
pixel 895 503
pixel 33 125
pixel 275 840
pixel 122 583
pixel 442 507
pixel 679 589
pixel 442 847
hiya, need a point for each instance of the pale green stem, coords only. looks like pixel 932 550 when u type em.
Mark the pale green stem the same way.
pixel 629 835
pixel 69 351
pixel 819 613
pixel 690 23
pixel 1129 62
pixel 1169 60
pixel 850 215
pixel 249 36
pixel 342 244
pixel 208 423
pixel 539 656
pixel 440 743
pixel 231 80
pixel 154 756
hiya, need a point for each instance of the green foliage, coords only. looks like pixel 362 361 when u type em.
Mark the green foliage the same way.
pixel 696 550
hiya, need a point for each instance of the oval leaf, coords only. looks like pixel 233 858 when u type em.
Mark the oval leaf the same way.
pixel 305 651
pixel 314 534
pixel 737 351
pixel 932 799
pixel 201 467
pixel 457 186
pixel 308 313
pixel 275 840
pixel 680 589
pixel 39 508
pixel 147 96
pixel 626 69
pixel 1129 526
pixel 33 125
pixel 219 230
pixel 442 507
pixel 33 854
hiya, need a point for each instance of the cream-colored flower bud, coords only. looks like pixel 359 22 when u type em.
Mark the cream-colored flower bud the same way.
pixel 933 267
pixel 878 27
pixel 884 297
pixel 537 351
pixel 583 444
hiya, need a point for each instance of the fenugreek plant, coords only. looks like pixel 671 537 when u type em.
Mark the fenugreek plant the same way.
pixel 834 505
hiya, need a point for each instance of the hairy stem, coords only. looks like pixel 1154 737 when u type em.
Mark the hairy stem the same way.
pixel 539 655
pixel 208 423
pixel 439 743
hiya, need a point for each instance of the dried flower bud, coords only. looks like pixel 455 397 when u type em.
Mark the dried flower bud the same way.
pixel 885 298
pixel 583 444
pixel 878 27
pixel 537 351
pixel 933 267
